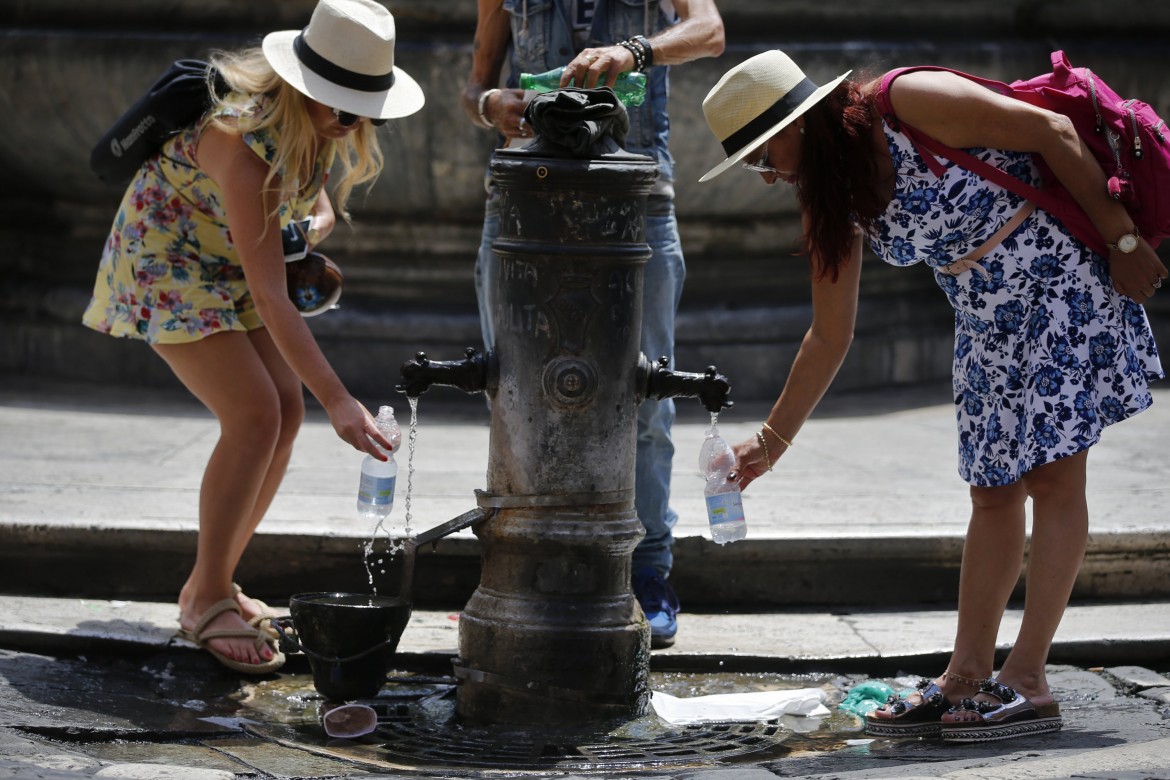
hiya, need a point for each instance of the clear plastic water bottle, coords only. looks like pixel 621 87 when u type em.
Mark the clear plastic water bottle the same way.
pixel 630 86
pixel 376 489
pixel 724 502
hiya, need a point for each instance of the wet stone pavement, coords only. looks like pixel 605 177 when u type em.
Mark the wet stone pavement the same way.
pixel 177 714
pixel 141 705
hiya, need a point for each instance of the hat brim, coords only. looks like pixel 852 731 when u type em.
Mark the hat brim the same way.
pixel 809 102
pixel 403 99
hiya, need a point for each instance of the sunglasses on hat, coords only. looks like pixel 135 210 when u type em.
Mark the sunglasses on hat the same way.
pixel 346 119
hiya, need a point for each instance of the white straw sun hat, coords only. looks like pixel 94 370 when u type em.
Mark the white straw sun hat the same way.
pixel 344 59
pixel 757 99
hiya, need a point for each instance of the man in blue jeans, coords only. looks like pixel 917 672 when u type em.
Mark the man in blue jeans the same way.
pixel 596 40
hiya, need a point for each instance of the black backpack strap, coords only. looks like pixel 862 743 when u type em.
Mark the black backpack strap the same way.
pixel 176 100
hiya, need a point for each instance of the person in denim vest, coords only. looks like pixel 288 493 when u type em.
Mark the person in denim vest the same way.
pixel 592 39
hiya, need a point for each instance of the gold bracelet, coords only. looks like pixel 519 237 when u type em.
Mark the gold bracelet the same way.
pixel 780 438
pixel 764 444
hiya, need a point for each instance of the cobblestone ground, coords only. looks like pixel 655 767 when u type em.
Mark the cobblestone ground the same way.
pixel 179 715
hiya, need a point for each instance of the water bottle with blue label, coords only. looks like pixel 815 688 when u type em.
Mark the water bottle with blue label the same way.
pixel 376 489
pixel 724 502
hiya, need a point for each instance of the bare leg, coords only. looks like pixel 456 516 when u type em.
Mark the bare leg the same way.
pixel 227 373
pixel 292 414
pixel 1060 531
pixel 992 557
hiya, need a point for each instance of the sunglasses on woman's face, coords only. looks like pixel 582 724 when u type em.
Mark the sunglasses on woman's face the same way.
pixel 346 119
pixel 760 165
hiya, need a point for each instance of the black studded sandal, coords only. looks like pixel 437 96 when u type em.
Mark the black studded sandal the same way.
pixel 1010 716
pixel 910 719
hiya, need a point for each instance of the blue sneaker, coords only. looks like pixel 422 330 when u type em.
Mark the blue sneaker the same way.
pixel 659 603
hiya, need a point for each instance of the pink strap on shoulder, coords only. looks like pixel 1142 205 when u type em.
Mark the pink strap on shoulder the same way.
pixel 928 152
pixel 931 149
pixel 886 107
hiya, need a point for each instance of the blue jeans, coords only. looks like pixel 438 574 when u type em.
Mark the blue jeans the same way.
pixel 661 290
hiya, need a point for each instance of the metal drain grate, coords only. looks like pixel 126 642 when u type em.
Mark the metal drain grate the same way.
pixel 406 741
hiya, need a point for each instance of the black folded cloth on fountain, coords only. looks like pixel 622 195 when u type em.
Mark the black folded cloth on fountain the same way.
pixel 582 122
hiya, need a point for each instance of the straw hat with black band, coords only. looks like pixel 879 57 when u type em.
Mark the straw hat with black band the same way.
pixel 344 59
pixel 757 99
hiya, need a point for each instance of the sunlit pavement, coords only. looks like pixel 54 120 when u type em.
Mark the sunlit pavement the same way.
pixel 98 684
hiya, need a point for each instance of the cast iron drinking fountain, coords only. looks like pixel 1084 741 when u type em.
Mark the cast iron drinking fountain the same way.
pixel 553 635
pixel 552 672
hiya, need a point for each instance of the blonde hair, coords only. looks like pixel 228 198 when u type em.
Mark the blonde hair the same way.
pixel 262 100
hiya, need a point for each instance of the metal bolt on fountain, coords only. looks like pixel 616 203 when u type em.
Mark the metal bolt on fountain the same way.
pixel 553 635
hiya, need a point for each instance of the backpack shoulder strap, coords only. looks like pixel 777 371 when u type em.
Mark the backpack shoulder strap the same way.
pixel 176 99
pixel 931 149
pixel 883 93
pixel 886 108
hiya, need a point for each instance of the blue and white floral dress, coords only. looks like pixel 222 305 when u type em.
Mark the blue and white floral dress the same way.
pixel 1047 353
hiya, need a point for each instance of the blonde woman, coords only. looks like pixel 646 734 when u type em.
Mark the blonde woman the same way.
pixel 194 266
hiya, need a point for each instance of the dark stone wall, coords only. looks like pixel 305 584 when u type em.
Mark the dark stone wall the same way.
pixel 69 68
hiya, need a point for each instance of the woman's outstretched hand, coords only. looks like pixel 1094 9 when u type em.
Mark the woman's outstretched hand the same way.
pixel 355 425
pixel 750 462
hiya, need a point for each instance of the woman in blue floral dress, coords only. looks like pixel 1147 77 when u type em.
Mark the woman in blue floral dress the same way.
pixel 194 266
pixel 1051 341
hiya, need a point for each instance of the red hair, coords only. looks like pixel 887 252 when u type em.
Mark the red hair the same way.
pixel 836 176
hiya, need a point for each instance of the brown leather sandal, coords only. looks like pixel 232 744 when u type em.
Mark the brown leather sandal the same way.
pixel 1012 715
pixel 909 719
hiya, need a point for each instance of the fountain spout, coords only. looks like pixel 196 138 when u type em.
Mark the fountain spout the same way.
pixel 658 381
pixel 414 543
pixel 469 375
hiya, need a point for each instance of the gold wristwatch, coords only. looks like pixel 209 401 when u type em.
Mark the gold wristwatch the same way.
pixel 1126 244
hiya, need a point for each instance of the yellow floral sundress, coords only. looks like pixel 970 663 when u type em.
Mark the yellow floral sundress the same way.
pixel 169 272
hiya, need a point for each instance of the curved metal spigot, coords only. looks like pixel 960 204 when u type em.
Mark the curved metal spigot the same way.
pixel 710 387
pixel 413 544
pixel 469 374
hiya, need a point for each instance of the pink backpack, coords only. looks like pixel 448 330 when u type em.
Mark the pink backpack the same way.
pixel 1128 139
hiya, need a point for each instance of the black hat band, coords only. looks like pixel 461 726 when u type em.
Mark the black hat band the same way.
pixel 337 74
pixel 770 117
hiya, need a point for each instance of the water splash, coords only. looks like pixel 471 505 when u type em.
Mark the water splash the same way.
pixel 393 545
pixel 410 440
pixel 392 548
pixel 367 553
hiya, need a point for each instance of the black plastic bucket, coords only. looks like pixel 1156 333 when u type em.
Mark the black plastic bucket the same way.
pixel 350 639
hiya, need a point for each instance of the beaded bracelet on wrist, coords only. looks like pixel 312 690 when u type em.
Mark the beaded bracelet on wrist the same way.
pixel 764 444
pixel 647 51
pixel 779 438
pixel 636 50
pixel 641 53
pixel 632 49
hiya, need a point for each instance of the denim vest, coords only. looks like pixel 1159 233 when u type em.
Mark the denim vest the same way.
pixel 542 39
